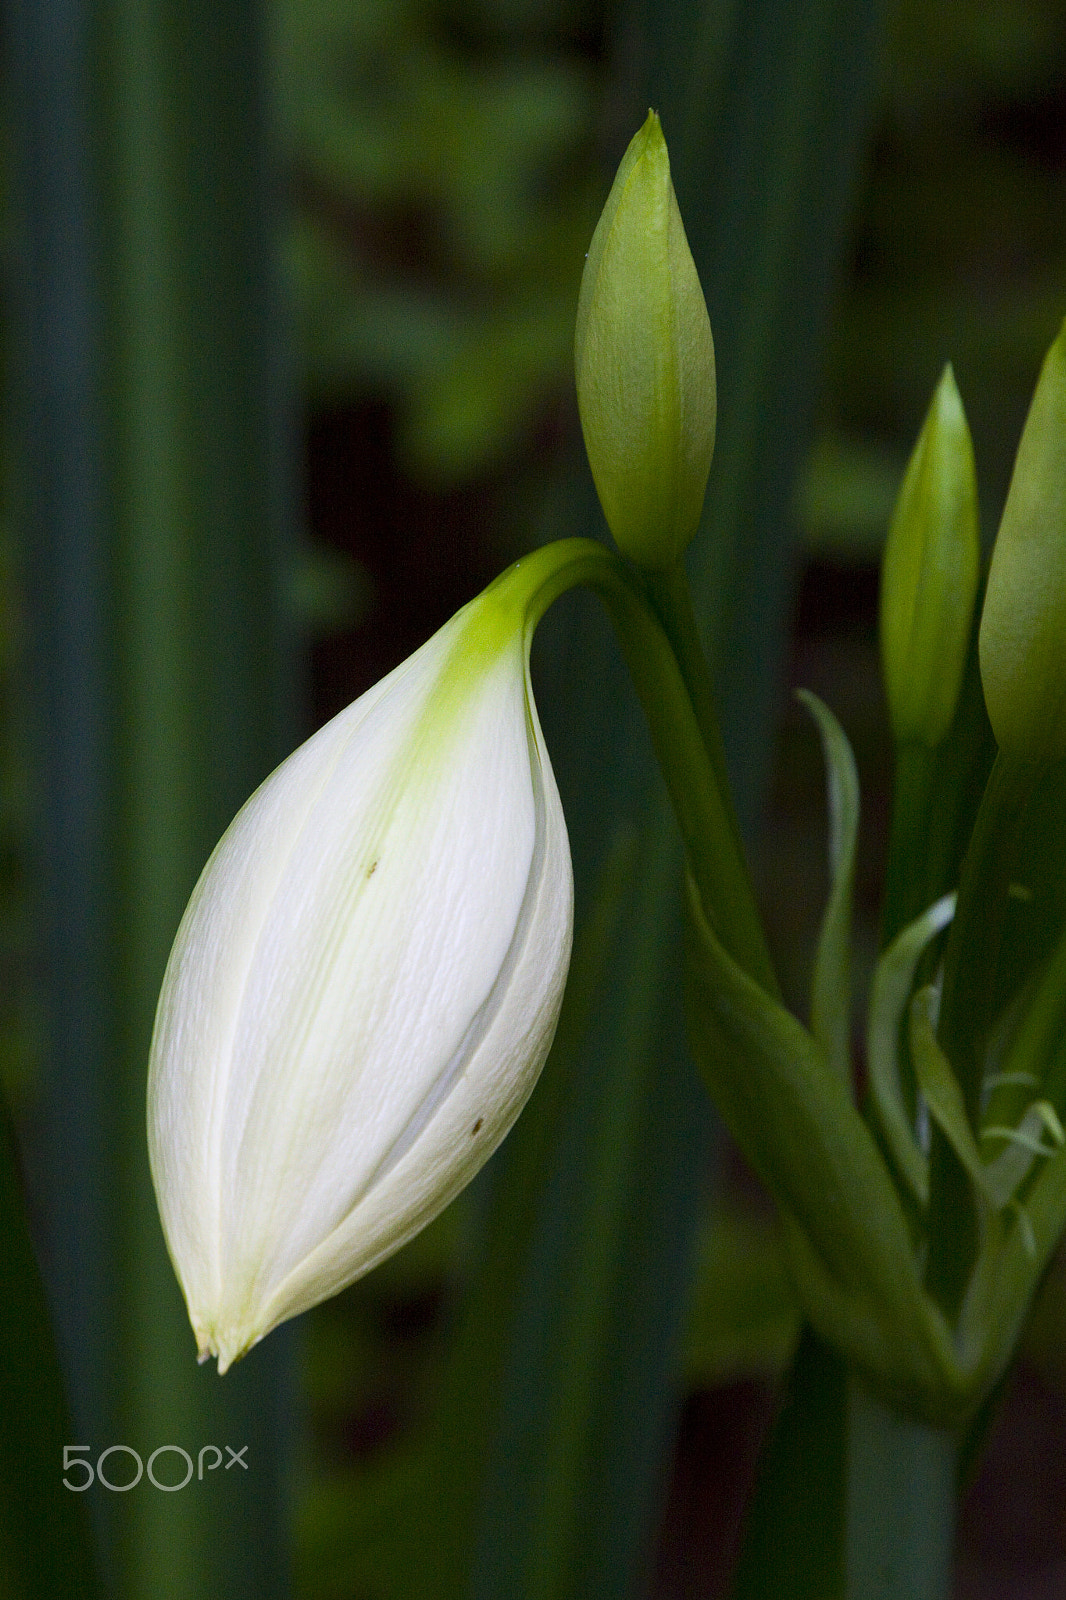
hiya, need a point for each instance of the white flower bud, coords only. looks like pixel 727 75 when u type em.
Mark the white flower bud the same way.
pixel 364 986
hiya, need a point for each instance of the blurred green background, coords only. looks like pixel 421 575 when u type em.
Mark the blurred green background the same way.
pixel 406 190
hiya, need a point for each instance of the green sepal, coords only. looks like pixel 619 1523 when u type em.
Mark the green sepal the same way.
pixel 929 575
pixel 889 995
pixel 1036 1040
pixel 644 362
pixel 1018 1236
pixel 1020 641
pixel 1019 1244
pixel 831 984
pixel 941 1090
pixel 846 1235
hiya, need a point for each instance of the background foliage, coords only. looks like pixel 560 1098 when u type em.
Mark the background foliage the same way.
pixel 443 164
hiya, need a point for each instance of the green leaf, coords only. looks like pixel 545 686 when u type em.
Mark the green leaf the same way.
pixel 45 1544
pixel 849 1247
pixel 1011 1264
pixel 574 1466
pixel 744 1317
pixel 831 988
pixel 1035 1042
pixel 941 1088
pixel 889 995
pixel 794 1540
pixel 1019 1237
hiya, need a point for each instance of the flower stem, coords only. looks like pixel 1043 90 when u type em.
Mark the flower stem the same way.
pixel 681 737
pixel 671 600
pixel 900 1503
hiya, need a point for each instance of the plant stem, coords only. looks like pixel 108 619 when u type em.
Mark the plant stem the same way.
pixel 671 600
pixel 702 804
pixel 900 1503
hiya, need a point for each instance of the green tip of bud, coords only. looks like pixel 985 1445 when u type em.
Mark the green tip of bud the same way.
pixel 929 574
pixel 1023 625
pixel 644 361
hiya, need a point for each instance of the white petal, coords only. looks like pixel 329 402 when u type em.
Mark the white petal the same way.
pixel 362 992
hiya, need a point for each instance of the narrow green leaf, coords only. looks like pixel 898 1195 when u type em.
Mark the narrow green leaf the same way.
pixel 794 1540
pixel 1037 1038
pixel 999 1172
pixel 154 522
pixel 831 987
pixel 1010 1266
pixel 586 1473
pixel 848 1240
pixel 940 1086
pixel 745 1318
pixel 889 996
pixel 45 1546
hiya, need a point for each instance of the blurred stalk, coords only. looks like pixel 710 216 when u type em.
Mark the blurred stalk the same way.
pixel 766 174
pixel 901 1504
pixel 575 1470
pixel 794 1545
pixel 153 499
pixel 45 1543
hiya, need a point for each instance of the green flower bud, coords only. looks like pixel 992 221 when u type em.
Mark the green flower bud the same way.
pixel 1023 625
pixel 929 574
pixel 644 360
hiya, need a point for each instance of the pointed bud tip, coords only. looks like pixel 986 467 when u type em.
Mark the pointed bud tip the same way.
pixel 929 573
pixel 644 361
pixel 1023 665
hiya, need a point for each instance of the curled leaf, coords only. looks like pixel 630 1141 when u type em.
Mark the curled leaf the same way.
pixel 889 995
pixel 848 1243
pixel 831 986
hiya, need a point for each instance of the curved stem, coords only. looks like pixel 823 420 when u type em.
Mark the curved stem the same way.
pixel 671 600
pixel 701 801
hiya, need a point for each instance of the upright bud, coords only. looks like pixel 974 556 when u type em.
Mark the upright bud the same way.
pixel 929 574
pixel 365 984
pixel 644 360
pixel 1023 625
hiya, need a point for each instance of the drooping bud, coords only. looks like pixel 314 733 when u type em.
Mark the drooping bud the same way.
pixel 1022 641
pixel 365 984
pixel 644 361
pixel 929 574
